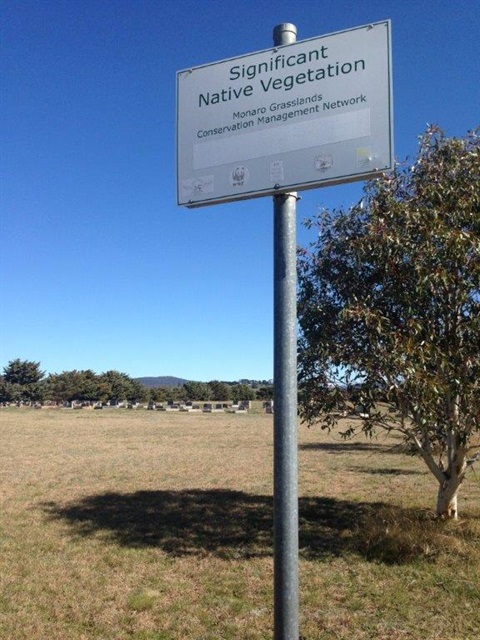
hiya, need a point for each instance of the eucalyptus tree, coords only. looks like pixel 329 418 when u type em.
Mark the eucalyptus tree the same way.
pixel 389 307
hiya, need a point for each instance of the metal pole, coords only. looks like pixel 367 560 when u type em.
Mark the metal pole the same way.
pixel 285 492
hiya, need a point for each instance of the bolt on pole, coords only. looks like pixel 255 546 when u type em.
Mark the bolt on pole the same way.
pixel 285 493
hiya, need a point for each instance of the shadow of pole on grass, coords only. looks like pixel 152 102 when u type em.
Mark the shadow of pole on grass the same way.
pixel 234 524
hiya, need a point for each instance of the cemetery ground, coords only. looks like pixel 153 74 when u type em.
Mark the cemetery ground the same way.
pixel 143 525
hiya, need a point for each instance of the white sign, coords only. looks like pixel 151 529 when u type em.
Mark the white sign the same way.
pixel 295 117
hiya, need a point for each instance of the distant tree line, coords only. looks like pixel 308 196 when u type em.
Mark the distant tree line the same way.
pixel 23 381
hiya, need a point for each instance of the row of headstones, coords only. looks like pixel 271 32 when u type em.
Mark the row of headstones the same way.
pixel 206 407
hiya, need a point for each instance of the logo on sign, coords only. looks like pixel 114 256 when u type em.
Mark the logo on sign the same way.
pixel 239 176
pixel 323 162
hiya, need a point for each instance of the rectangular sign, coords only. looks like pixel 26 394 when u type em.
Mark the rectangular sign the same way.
pixel 312 113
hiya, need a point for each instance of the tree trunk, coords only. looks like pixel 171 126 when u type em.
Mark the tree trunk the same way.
pixel 453 476
pixel 447 499
pixel 449 480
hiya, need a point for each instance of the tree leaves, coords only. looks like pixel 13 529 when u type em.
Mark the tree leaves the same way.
pixel 389 293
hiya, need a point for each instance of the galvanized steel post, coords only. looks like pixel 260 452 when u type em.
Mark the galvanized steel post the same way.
pixel 286 626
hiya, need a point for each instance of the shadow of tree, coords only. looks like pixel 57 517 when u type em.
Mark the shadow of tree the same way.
pixel 234 524
pixel 352 447
pixel 387 471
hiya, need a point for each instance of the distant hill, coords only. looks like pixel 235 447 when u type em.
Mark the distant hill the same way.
pixel 161 381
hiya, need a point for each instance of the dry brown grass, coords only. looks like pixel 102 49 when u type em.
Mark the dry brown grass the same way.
pixel 156 526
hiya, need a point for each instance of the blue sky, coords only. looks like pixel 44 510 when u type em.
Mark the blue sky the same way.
pixel 100 268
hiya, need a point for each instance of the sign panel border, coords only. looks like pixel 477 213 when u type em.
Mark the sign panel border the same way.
pixel 223 151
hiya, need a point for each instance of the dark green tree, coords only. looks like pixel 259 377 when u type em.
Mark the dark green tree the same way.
pixel 200 391
pixel 220 391
pixel 137 393
pixel 265 392
pixel 176 394
pixel 73 385
pixel 23 372
pixel 389 306
pixel 242 393
pixel 23 381
pixel 158 394
pixel 116 386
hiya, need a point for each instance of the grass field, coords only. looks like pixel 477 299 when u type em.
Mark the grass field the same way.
pixel 142 525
